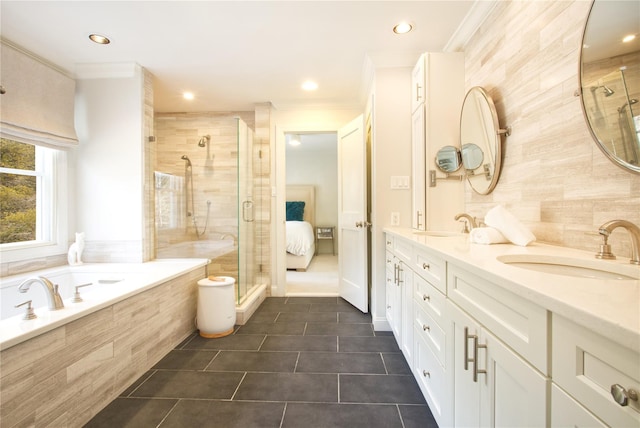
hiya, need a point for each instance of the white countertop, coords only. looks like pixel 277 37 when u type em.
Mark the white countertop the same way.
pixel 608 307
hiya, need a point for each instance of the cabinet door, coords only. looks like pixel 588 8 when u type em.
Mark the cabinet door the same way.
pixel 406 295
pixel 418 171
pixel 466 392
pixel 418 84
pixel 506 390
pixel 390 293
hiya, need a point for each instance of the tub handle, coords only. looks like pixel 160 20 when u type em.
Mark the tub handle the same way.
pixel 29 314
pixel 76 296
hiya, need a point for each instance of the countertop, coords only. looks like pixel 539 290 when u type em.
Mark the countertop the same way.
pixel 608 307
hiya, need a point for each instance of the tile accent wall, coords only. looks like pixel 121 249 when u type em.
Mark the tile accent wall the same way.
pixel 554 177
pixel 66 376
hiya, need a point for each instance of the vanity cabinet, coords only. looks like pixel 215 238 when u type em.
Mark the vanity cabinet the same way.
pixel 437 93
pixel 585 367
pixel 399 291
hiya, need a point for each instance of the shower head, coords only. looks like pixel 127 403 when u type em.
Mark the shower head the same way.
pixel 186 158
pixel 606 90
pixel 204 141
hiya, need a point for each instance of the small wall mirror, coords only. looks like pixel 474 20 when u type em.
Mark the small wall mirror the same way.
pixel 448 159
pixel 481 141
pixel 610 80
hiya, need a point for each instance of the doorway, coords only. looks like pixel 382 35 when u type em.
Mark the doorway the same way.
pixel 311 160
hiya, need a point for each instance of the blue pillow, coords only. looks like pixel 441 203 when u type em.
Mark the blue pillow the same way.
pixel 295 211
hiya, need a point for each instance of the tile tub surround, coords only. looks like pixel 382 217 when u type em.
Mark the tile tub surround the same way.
pixel 299 361
pixel 67 375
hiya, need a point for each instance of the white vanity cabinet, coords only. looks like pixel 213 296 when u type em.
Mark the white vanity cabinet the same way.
pixel 585 367
pixel 437 94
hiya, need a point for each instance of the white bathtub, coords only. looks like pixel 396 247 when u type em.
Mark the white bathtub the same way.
pixel 111 283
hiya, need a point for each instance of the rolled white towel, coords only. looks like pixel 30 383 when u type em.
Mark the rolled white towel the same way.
pixel 486 236
pixel 501 219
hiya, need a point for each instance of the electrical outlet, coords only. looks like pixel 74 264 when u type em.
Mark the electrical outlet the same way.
pixel 395 218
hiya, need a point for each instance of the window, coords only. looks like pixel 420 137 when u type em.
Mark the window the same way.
pixel 30 214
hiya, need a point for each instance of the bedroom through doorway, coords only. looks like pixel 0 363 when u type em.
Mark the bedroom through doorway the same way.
pixel 312 214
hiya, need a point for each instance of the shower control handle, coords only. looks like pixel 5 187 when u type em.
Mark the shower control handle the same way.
pixel 247 211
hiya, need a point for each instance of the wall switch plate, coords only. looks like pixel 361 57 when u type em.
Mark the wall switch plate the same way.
pixel 395 218
pixel 400 182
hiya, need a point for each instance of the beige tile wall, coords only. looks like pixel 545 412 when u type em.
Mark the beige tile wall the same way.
pixel 554 178
pixel 66 376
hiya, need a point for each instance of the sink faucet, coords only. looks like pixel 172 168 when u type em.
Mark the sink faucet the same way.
pixel 53 297
pixel 634 233
pixel 469 224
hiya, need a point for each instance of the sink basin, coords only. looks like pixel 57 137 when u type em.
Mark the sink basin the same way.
pixel 581 268
pixel 441 233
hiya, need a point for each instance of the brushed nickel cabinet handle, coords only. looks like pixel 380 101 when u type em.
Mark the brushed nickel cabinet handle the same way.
pixel 426 327
pixel 426 297
pixel 622 395
pixel 426 373
pixel 426 266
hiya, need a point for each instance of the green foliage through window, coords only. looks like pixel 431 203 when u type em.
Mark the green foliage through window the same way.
pixel 17 192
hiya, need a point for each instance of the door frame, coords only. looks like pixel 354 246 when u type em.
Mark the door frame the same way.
pixel 309 122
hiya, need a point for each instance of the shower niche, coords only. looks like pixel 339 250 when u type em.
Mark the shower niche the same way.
pixel 207 200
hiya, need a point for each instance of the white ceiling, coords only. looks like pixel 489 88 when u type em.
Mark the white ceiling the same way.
pixel 234 54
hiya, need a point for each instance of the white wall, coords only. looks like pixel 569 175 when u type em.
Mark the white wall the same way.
pixel 391 157
pixel 109 166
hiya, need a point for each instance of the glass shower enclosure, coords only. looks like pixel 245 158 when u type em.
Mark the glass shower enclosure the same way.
pixel 205 182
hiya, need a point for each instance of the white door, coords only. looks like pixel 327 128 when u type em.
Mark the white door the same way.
pixel 352 215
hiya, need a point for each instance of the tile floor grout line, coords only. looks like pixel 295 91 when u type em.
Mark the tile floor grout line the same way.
pixel 238 387
pixel 143 382
pixel 212 360
pixel 168 413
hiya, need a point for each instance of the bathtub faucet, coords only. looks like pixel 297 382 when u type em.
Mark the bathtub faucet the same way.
pixel 53 297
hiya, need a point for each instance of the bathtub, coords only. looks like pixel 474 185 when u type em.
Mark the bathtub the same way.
pixel 109 284
pixel 63 367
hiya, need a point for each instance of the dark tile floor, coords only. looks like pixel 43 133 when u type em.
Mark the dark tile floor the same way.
pixel 306 362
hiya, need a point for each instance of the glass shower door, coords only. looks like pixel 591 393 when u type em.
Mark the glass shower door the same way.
pixel 246 212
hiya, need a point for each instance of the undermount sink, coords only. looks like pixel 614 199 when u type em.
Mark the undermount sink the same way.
pixel 566 266
pixel 441 233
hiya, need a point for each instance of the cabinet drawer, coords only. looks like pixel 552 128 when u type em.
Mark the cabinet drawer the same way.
pixel 567 412
pixel 432 380
pixel 389 261
pixel 388 239
pixel 402 249
pixel 519 323
pixel 430 267
pixel 429 299
pixel 586 365
pixel 431 333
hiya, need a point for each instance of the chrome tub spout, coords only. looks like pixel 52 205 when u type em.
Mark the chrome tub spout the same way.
pixel 51 290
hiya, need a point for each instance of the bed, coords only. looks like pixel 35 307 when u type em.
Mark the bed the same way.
pixel 300 226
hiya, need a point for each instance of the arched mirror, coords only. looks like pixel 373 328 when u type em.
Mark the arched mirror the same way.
pixel 481 141
pixel 610 80
pixel 448 159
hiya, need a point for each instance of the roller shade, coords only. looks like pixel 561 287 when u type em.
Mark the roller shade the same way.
pixel 38 105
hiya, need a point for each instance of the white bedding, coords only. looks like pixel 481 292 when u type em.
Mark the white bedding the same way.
pixel 300 237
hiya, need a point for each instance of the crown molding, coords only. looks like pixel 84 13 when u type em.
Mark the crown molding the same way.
pixel 469 25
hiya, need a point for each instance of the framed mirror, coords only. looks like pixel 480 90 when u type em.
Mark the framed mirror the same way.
pixel 609 73
pixel 481 140
pixel 448 159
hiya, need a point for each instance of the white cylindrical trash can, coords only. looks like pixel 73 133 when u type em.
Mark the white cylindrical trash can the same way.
pixel 216 312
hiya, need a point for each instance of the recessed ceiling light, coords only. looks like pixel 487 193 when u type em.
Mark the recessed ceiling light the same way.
pixel 309 85
pixel 101 40
pixel 628 38
pixel 188 95
pixel 402 28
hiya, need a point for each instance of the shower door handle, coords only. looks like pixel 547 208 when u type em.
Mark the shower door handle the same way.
pixel 247 211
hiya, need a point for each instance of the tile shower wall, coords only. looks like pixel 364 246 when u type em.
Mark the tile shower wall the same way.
pixel 554 178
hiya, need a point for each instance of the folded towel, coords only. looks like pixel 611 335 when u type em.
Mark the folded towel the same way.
pixel 501 219
pixel 487 235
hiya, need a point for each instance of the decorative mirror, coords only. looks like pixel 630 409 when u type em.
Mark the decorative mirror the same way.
pixel 448 159
pixel 481 140
pixel 610 80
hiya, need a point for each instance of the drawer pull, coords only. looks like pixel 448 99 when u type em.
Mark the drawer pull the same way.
pixel 622 396
pixel 426 298
pixel 388 306
pixel 426 373
pixel 474 359
pixel 426 266
pixel 426 327
pixel 388 242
